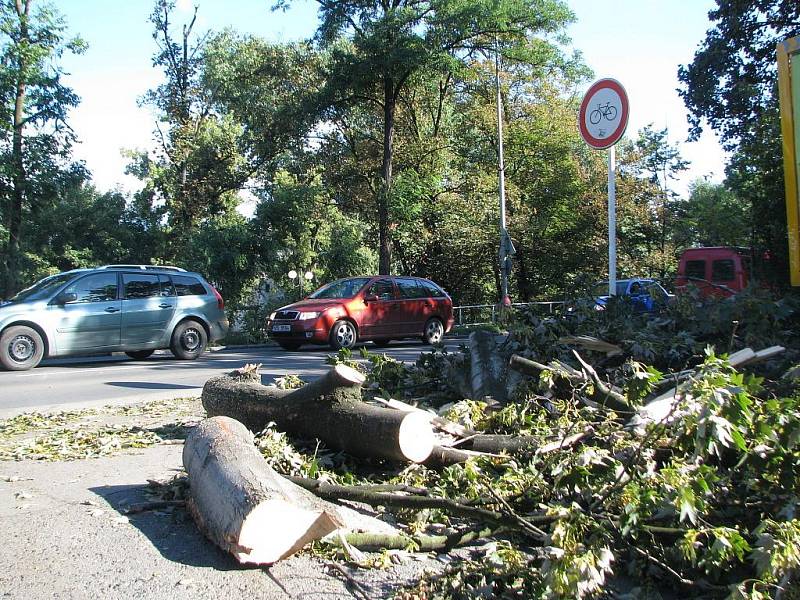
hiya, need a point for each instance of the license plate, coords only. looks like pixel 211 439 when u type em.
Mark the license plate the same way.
pixel 279 327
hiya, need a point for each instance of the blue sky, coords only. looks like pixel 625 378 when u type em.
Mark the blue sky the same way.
pixel 638 42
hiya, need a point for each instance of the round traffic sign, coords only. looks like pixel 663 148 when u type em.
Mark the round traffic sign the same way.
pixel 604 113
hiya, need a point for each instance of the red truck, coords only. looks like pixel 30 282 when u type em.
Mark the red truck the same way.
pixel 716 271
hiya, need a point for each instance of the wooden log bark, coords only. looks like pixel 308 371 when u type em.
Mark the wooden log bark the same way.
pixel 375 542
pixel 241 504
pixel 330 409
pixel 486 368
pixel 492 445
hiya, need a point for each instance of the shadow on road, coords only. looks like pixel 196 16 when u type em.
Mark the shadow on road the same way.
pixel 172 531
pixel 147 385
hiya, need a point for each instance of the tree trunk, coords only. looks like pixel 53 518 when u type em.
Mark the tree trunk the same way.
pixel 487 368
pixel 18 178
pixel 330 409
pixel 244 506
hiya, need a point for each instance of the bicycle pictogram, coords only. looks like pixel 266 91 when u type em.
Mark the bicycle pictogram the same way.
pixel 603 111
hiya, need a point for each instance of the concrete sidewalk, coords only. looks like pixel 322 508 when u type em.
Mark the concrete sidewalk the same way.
pixel 65 536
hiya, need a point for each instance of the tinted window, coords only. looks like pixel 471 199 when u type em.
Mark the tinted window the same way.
pixel 43 288
pixel 434 291
pixel 656 292
pixel 100 287
pixel 140 286
pixel 696 269
pixel 410 288
pixel 722 270
pixel 343 288
pixel 167 289
pixel 188 286
pixel 601 289
pixel 382 288
pixel 635 289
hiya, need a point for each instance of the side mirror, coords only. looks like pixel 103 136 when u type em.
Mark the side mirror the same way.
pixel 66 297
pixel 371 298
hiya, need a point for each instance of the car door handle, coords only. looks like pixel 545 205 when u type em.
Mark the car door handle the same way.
pixel 111 309
pixel 165 305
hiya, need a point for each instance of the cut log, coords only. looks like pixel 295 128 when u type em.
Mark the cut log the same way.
pixel 244 506
pixel 437 421
pixel 376 542
pixel 444 456
pixel 330 409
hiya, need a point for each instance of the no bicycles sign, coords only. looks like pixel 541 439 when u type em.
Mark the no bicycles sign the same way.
pixel 604 114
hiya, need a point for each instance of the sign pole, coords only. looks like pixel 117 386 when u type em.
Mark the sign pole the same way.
pixel 602 120
pixel 505 259
pixel 612 223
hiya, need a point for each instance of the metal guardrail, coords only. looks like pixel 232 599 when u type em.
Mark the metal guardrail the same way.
pixel 470 314
pixel 483 314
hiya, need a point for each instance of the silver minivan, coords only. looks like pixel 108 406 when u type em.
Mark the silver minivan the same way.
pixel 135 309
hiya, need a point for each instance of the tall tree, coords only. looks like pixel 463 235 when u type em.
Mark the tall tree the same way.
pixel 732 84
pixel 713 216
pixel 661 163
pixel 197 166
pixel 378 46
pixel 35 140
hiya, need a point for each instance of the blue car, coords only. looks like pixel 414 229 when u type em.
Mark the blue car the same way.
pixel 646 295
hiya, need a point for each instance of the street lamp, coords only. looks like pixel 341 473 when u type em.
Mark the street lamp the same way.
pixel 294 274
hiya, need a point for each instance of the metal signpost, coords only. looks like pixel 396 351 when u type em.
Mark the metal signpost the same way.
pixel 602 120
pixel 789 95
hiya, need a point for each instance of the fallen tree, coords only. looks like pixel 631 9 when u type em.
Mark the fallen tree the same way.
pixel 244 506
pixel 329 408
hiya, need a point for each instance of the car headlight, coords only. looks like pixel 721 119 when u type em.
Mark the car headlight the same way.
pixel 305 316
pixel 272 316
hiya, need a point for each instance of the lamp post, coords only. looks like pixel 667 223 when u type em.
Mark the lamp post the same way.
pixel 308 276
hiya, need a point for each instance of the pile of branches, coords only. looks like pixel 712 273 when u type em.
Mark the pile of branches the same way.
pixel 616 473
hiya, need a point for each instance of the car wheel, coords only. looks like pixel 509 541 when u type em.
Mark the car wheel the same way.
pixel 343 335
pixel 21 348
pixel 291 346
pixel 188 340
pixel 382 343
pixel 140 354
pixel 433 332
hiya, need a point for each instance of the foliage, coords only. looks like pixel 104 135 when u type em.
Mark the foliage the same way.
pixel 712 216
pixel 197 163
pixel 379 51
pixel 732 85
pixel 35 140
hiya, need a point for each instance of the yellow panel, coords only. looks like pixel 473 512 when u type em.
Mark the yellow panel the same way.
pixel 789 95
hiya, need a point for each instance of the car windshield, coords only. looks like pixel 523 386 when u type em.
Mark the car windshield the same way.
pixel 43 288
pixel 343 288
pixel 601 289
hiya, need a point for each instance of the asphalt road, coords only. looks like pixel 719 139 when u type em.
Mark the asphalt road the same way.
pixel 87 381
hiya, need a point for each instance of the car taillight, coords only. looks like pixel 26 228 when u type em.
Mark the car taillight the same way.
pixel 220 301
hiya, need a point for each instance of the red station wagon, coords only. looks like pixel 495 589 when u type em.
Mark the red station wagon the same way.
pixel 380 308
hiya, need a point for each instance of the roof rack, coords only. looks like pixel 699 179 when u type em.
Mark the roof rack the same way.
pixel 145 267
